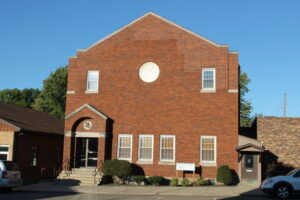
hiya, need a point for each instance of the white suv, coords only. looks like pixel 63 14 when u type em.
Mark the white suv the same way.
pixel 10 175
pixel 283 186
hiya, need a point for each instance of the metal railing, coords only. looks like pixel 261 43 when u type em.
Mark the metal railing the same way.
pixel 66 167
pixel 97 170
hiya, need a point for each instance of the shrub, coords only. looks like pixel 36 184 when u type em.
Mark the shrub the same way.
pixel 139 179
pixel 185 182
pixel 117 169
pixel 201 181
pixel 279 168
pixel 156 180
pixel 174 182
pixel 106 179
pixel 224 175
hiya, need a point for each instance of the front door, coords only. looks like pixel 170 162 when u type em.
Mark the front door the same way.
pixel 249 168
pixel 87 152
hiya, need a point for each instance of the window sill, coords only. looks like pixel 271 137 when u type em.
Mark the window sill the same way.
pixel 91 92
pixel 208 164
pixel 129 160
pixel 207 91
pixel 166 163
pixel 144 162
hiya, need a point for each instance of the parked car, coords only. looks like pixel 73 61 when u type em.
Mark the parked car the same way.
pixel 283 186
pixel 10 175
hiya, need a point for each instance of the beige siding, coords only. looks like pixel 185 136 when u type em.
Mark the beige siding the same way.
pixel 7 138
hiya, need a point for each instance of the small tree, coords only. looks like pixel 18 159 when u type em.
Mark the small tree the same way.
pixel 224 175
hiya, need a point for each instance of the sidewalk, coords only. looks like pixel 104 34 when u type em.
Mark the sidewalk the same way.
pixel 241 189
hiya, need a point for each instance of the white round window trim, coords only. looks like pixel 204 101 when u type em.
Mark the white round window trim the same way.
pixel 149 72
pixel 87 125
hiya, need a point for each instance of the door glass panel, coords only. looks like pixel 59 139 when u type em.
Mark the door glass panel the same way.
pixel 82 152
pixel 248 161
pixel 92 152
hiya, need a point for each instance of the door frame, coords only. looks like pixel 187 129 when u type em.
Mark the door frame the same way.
pixel 79 143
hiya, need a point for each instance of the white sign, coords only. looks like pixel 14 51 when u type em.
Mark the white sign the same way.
pixel 185 166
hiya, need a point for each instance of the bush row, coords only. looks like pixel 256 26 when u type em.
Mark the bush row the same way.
pixel 120 172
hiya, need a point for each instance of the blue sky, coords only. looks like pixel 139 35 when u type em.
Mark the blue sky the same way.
pixel 38 36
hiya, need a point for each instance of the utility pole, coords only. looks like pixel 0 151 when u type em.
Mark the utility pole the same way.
pixel 284 105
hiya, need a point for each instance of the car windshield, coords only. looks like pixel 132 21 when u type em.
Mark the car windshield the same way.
pixel 291 172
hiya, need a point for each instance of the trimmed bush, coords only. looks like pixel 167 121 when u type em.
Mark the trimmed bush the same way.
pixel 201 181
pixel 139 179
pixel 174 182
pixel 118 169
pixel 224 175
pixel 156 180
pixel 185 182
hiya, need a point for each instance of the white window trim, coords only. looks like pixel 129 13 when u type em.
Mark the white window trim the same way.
pixel 5 152
pixel 174 147
pixel 215 150
pixel 152 138
pixel 118 150
pixel 86 88
pixel 208 89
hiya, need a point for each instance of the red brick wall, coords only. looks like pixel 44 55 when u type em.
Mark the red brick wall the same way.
pixel 173 104
pixel 46 144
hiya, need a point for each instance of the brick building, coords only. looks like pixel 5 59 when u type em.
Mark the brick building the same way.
pixel 155 94
pixel 280 137
pixel 33 139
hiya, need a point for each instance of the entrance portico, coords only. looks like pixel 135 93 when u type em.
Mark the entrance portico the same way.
pixel 87 130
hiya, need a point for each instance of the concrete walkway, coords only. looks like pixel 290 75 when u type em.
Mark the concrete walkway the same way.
pixel 241 189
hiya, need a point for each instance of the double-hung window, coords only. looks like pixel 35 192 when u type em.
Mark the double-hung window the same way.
pixel 146 147
pixel 4 152
pixel 92 82
pixel 208 149
pixel 124 146
pixel 167 148
pixel 208 79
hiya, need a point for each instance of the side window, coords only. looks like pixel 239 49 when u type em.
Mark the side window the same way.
pixel 124 146
pixel 167 148
pixel 297 174
pixel 34 156
pixel 208 149
pixel 4 149
pixel 208 79
pixel 92 82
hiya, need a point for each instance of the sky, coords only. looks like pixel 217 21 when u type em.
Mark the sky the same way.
pixel 38 36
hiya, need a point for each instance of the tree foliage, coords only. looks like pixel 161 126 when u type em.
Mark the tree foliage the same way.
pixel 24 98
pixel 245 105
pixel 52 98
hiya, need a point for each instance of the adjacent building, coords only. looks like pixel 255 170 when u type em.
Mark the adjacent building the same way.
pixel 33 139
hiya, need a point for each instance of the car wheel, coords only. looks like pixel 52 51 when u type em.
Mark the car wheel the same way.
pixel 283 191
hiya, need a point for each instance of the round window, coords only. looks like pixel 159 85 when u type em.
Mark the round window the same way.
pixel 87 125
pixel 149 72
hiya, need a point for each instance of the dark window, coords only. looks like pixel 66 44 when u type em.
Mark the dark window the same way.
pixel 58 156
pixel 248 161
pixel 3 156
pixel 11 166
pixel 34 156
pixel 297 174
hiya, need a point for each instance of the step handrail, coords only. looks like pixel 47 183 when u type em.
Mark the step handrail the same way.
pixel 97 169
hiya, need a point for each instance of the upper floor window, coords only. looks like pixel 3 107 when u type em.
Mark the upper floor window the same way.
pixel 208 79
pixel 4 152
pixel 167 148
pixel 208 149
pixel 124 146
pixel 146 147
pixel 92 81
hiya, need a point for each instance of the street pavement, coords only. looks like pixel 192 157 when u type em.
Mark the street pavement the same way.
pixel 15 195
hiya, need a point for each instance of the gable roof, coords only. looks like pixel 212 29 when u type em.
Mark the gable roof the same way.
pixel 249 147
pixel 26 119
pixel 163 19
pixel 101 114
